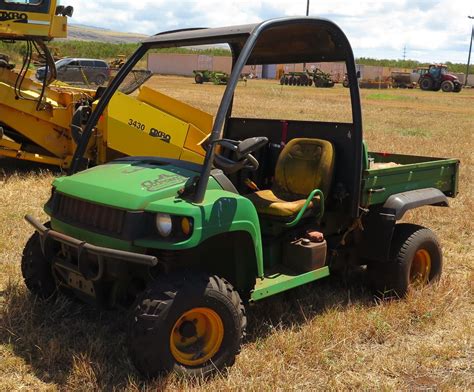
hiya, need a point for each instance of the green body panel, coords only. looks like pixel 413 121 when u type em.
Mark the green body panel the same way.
pixel 412 173
pixel 138 186
pixel 274 283
pixel 220 212
pixel 127 185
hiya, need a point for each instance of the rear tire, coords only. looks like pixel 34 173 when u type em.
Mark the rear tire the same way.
pixel 426 84
pixel 37 270
pixel 100 80
pixel 415 260
pixel 192 324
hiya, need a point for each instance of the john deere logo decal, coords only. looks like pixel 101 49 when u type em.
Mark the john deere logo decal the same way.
pixel 15 17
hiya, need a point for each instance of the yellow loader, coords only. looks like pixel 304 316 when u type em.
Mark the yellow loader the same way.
pixel 41 121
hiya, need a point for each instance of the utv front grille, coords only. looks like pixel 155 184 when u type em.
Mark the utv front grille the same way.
pixel 107 220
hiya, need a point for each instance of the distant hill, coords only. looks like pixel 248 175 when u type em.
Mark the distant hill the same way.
pixel 88 33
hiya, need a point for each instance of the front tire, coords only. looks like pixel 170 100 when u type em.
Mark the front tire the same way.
pixel 37 270
pixel 190 324
pixel 415 260
pixel 447 86
pixel 198 78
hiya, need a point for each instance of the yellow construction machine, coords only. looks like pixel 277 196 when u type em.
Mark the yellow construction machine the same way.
pixel 41 121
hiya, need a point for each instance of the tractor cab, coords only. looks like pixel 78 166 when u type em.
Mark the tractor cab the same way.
pixel 437 71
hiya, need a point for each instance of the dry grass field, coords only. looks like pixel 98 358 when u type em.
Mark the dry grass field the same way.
pixel 331 335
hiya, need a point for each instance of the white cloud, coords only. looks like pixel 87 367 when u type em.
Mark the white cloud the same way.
pixel 432 30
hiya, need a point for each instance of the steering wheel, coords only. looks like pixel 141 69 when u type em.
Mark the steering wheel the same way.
pixel 242 151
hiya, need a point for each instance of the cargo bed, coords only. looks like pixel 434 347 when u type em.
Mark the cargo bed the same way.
pixel 385 174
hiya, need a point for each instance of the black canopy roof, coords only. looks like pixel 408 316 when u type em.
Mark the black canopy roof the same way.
pixel 284 40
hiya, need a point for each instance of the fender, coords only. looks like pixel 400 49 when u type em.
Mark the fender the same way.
pixel 380 222
pixel 400 203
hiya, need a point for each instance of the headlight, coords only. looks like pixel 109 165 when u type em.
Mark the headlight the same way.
pixel 164 224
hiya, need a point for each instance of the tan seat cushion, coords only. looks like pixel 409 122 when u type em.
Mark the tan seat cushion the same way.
pixel 303 165
pixel 267 203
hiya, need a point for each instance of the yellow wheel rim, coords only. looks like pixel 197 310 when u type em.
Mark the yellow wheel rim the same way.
pixel 196 336
pixel 420 267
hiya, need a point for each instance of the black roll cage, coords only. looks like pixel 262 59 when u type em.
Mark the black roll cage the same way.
pixel 311 39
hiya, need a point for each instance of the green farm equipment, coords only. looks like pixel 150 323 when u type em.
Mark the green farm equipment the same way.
pixel 307 78
pixel 216 77
pixel 296 79
pixel 322 79
pixel 275 205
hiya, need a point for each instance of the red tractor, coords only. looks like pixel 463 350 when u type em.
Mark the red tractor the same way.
pixel 438 78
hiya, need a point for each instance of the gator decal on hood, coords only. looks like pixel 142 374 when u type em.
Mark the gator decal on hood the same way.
pixel 162 181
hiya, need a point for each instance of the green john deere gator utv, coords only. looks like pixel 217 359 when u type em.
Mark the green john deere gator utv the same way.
pixel 190 246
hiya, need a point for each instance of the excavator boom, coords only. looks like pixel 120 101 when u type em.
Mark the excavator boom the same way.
pixel 36 117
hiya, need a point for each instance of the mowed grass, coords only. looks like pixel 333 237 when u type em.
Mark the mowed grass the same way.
pixel 331 335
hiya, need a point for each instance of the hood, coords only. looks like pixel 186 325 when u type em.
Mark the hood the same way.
pixel 129 184
pixel 450 77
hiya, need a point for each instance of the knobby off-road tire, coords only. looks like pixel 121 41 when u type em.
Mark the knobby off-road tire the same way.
pixel 415 260
pixel 36 269
pixel 190 324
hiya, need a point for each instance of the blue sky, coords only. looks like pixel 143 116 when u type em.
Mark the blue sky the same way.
pixel 431 30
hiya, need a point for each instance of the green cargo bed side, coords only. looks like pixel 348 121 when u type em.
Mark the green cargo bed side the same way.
pixel 408 173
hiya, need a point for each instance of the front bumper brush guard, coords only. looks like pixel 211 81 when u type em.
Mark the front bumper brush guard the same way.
pixel 83 247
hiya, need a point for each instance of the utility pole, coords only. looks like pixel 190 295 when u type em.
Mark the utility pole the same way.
pixel 470 48
pixel 307 14
pixel 404 53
